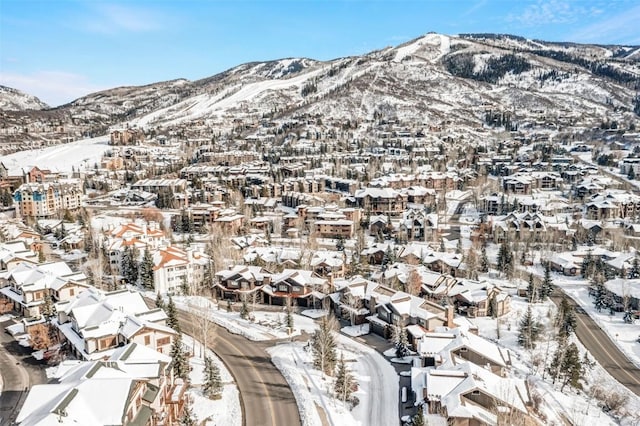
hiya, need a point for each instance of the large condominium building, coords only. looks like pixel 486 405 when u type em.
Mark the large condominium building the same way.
pixel 42 200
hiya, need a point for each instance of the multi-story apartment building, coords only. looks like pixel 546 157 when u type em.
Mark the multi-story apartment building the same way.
pixel 43 200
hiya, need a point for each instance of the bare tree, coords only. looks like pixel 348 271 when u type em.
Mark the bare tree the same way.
pixel 204 328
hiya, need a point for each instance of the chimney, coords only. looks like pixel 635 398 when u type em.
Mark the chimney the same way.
pixel 450 323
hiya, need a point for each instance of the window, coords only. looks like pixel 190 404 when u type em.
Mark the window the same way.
pixel 463 349
pixel 72 292
pixel 163 341
pixel 283 287
pixel 475 392
pixel 147 340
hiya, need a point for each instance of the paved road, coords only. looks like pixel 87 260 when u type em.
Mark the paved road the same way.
pixel 19 372
pixel 265 396
pixel 603 349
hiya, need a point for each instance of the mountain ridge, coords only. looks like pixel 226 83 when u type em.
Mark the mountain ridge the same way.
pixel 434 78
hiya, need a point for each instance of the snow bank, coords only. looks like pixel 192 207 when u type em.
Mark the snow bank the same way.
pixel 377 385
pixel 225 411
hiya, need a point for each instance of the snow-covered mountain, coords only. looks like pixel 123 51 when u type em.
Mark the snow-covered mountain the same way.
pixel 15 100
pixel 434 79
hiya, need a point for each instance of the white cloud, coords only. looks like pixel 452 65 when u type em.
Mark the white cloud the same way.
pixel 618 29
pixel 114 19
pixel 544 12
pixel 53 87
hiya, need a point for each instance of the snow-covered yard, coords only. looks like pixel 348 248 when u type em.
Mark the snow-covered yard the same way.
pixel 225 411
pixel 261 325
pixel 577 406
pixel 377 385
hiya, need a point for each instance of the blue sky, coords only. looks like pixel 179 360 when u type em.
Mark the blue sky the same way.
pixel 61 50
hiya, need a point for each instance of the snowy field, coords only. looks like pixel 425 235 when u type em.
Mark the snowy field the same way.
pixel 577 406
pixel 81 155
pixel 225 411
pixel 377 385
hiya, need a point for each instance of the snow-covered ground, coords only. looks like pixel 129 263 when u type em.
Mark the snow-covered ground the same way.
pixel 81 155
pixel 261 325
pixel 577 406
pixel 225 411
pixel 624 335
pixel 377 385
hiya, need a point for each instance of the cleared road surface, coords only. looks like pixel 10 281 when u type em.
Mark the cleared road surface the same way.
pixel 265 396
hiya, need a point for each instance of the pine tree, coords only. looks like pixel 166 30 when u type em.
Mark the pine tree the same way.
pixel 484 260
pixel 188 418
pixel 547 284
pixel 418 419
pixel 159 301
pixel 212 387
pixel 566 319
pixel 49 312
pixel 634 271
pixel 146 270
pixel 599 292
pixel 530 330
pixel 572 369
pixel 505 259
pixel 345 381
pixel 244 308
pixel 172 315
pixel 401 342
pixel 184 286
pixel 532 291
pixel 323 346
pixel 179 359
pixel 289 319
pixel 587 265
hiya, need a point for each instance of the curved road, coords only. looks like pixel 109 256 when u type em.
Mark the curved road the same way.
pixel 602 348
pixel 265 396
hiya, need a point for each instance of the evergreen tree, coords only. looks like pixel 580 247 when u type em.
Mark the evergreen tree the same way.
pixel 418 419
pixel 572 369
pixel 172 315
pixel 532 290
pixel 323 346
pixel 49 312
pixel 505 259
pixel 566 319
pixel 634 271
pixel 587 265
pixel 599 292
pixel 530 330
pixel 130 264
pixel 188 418
pixel 244 308
pixel 184 286
pixel 345 381
pixel 159 301
pixel 547 284
pixel 212 387
pixel 400 341
pixel 179 359
pixel 484 260
pixel 146 270
pixel 289 319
